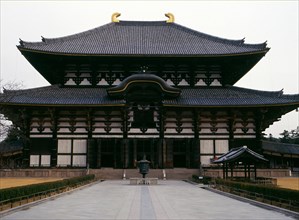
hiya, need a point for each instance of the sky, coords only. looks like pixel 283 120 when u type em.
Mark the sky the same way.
pixel 258 21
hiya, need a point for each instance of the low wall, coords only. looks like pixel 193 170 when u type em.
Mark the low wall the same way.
pixel 240 173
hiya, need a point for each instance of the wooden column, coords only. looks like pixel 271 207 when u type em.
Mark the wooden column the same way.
pixel 254 171
pixel 25 127
pixel 125 122
pixel 125 153
pixel 161 143
pixel 135 151
pixel 54 118
pixel 226 170
pixel 91 153
pixel 164 151
pixel 258 129
pixel 99 153
pixel 188 155
pixel 159 153
pixel 231 122
pixel 195 163
pixel 91 143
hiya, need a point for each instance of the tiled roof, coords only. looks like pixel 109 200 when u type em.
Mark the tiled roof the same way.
pixel 200 96
pixel 9 147
pixel 281 148
pixel 230 96
pixel 237 154
pixel 54 95
pixel 142 38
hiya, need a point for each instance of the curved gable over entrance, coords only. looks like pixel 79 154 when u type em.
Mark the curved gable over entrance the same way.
pixel 144 87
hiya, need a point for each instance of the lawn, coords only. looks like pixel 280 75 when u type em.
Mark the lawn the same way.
pixel 288 182
pixel 7 182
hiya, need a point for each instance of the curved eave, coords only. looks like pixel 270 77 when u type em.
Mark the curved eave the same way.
pixel 61 105
pixel 295 105
pixel 122 89
pixel 264 51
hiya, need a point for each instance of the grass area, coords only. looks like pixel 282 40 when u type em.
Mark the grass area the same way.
pixel 7 182
pixel 288 182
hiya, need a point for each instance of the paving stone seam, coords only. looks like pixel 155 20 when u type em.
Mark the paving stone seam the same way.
pixel 286 212
pixel 35 203
pixel 159 208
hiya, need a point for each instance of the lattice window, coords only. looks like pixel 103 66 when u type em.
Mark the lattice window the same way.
pixel 72 152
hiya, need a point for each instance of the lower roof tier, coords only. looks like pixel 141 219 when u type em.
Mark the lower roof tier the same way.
pixel 228 96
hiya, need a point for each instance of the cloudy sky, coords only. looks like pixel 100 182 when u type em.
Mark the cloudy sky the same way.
pixel 258 21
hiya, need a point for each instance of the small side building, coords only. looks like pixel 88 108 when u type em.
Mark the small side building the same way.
pixel 282 155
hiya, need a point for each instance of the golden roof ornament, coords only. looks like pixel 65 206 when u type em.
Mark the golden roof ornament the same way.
pixel 170 17
pixel 114 17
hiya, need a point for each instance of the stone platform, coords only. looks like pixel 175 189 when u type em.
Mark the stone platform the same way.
pixel 143 181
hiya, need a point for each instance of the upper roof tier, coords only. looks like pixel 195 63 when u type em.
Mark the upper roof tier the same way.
pixel 143 38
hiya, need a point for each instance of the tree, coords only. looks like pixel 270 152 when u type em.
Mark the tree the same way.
pixel 291 137
pixel 285 137
pixel 9 131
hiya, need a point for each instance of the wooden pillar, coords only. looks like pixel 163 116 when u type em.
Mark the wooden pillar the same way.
pixel 159 153
pixel 25 127
pixel 258 129
pixel 164 158
pixel 99 154
pixel 54 118
pixel 125 153
pixel 226 170
pixel 91 153
pixel 195 154
pixel 125 122
pixel 152 153
pixel 168 153
pixel 135 150
pixel 254 171
pixel 195 124
pixel 188 155
pixel 231 132
pixel 249 171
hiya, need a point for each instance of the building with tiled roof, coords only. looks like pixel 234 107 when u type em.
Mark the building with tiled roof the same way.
pixel 133 88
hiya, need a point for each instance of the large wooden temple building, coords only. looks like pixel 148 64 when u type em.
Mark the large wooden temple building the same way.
pixel 133 88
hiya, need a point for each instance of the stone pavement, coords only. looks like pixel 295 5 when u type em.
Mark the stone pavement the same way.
pixel 167 200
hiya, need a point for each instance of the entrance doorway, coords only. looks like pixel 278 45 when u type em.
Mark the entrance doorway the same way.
pixel 147 148
pixel 179 153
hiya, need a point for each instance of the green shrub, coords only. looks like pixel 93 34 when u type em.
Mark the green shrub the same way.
pixel 29 190
pixel 203 179
pixel 267 191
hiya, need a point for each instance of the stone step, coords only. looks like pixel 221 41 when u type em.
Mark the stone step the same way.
pixel 112 174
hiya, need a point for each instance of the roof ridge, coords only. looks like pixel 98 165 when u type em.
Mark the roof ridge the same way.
pixel 67 37
pixel 268 93
pixel 23 91
pixel 240 42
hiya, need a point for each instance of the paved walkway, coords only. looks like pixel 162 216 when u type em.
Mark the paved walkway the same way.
pixel 168 200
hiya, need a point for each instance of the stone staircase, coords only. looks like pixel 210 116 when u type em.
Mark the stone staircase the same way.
pixel 116 174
